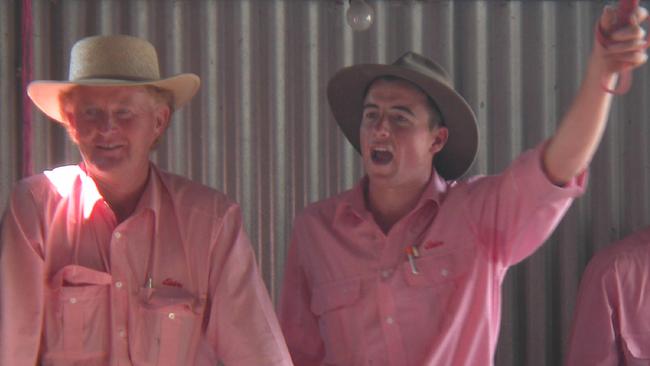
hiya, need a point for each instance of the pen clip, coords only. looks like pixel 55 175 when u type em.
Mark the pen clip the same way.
pixel 412 253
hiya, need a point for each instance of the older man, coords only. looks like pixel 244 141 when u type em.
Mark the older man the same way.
pixel 406 268
pixel 113 261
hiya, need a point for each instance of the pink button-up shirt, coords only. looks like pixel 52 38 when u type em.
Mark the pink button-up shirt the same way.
pixel 174 284
pixel 611 324
pixel 351 296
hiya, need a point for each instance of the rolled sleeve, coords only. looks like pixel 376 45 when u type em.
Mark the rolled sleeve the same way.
pixel 516 211
pixel 530 178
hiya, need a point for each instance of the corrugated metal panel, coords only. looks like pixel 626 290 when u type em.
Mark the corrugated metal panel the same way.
pixel 261 130
pixel 9 99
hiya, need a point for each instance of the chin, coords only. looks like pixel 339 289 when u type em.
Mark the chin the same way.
pixel 377 175
pixel 105 165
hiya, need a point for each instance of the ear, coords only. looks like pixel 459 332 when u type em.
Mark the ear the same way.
pixel 441 134
pixel 70 126
pixel 161 116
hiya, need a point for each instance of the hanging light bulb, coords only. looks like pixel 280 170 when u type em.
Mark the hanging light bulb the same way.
pixel 360 15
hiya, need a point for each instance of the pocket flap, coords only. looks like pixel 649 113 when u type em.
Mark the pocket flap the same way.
pixel 165 299
pixel 335 295
pixel 433 270
pixel 78 276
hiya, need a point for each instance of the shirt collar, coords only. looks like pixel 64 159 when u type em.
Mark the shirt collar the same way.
pixel 149 200
pixel 151 197
pixel 354 200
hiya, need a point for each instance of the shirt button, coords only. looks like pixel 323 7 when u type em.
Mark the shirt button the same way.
pixel 122 333
pixel 118 284
pixel 444 272
pixel 118 235
pixel 73 300
pixel 172 316
pixel 390 320
pixel 385 274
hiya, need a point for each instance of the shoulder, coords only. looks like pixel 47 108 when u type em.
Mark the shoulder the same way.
pixel 324 209
pixel 620 263
pixel 58 182
pixel 626 258
pixel 193 197
pixel 469 187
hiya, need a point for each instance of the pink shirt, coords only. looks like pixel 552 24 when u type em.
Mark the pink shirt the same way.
pixel 611 325
pixel 350 296
pixel 75 289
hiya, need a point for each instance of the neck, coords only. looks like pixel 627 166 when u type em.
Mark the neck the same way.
pixel 390 204
pixel 122 193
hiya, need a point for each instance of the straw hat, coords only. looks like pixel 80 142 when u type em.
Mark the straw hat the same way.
pixel 116 60
pixel 345 93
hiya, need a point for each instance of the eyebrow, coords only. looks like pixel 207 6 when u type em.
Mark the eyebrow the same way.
pixel 370 105
pixel 404 109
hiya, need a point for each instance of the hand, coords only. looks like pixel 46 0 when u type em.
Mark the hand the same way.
pixel 621 47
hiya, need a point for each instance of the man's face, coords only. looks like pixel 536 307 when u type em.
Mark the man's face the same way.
pixel 397 143
pixel 115 128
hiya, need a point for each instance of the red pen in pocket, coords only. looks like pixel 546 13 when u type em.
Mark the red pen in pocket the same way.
pixel 412 253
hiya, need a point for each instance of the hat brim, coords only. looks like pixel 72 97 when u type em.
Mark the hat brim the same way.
pixel 345 94
pixel 45 93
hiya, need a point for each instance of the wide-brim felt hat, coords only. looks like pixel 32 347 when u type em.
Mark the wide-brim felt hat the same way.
pixel 115 60
pixel 346 89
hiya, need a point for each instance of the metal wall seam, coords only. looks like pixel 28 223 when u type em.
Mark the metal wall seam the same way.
pixel 279 227
pixel 10 101
pixel 211 136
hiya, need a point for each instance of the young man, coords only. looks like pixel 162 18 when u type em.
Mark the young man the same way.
pixel 611 325
pixel 113 261
pixel 406 268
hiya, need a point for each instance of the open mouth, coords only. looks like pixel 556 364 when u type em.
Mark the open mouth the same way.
pixel 381 156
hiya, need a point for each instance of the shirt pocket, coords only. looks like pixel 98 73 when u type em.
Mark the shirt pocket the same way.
pixel 334 305
pixel 77 317
pixel 167 326
pixel 636 348
pixel 438 269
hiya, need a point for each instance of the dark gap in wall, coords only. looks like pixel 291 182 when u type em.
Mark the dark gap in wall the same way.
pixel 18 86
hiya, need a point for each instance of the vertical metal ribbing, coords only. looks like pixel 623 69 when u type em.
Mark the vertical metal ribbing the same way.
pixel 279 226
pixel 313 102
pixel 9 101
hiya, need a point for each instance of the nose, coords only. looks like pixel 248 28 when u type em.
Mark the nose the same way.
pixel 106 124
pixel 381 128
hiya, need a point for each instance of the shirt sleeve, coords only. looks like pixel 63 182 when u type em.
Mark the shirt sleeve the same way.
pixel 516 211
pixel 21 281
pixel 299 323
pixel 242 325
pixel 593 340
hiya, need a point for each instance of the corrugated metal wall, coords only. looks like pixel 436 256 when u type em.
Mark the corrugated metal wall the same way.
pixel 260 128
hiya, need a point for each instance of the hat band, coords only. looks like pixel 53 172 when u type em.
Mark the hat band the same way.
pixel 116 78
